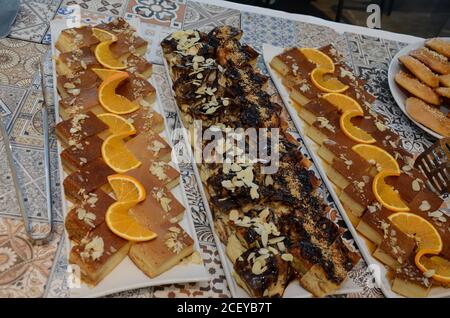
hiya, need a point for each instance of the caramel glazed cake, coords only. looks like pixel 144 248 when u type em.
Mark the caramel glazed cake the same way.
pixel 274 226
pixel 352 175
pixel 96 250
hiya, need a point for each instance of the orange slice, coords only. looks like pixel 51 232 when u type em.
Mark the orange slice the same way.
pixel 437 267
pixel 103 35
pixel 378 156
pixel 386 194
pixel 122 224
pixel 117 156
pixel 104 73
pixel 126 188
pixel 105 57
pixel 342 102
pixel 424 232
pixel 117 124
pixel 319 58
pixel 322 80
pixel 111 101
pixel 353 132
pixel 129 192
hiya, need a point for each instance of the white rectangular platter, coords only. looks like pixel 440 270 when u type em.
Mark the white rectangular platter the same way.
pixel 294 289
pixel 378 269
pixel 126 275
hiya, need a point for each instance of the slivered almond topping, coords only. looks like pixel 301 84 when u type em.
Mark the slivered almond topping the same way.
pixel 157 168
pixel 74 91
pixel 287 257
pixel 69 85
pixel 324 123
pixel 233 215
pixel 93 249
pixel 172 242
pixel 86 217
pixel 346 73
pixel 415 185
pixel 163 200
pixel 385 227
pixel 424 206
pixel 156 146
pixel 144 103
pixel 257 269
pixel 429 273
pixel 380 126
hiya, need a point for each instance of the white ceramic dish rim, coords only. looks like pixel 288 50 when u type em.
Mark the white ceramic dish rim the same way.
pixel 399 95
pixel 269 51
pixel 237 291
pixel 199 274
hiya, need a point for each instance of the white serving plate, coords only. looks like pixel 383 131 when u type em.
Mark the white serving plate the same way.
pixel 377 267
pixel 399 95
pixel 294 289
pixel 126 275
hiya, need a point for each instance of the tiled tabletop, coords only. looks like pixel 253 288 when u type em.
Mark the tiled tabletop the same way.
pixel 36 271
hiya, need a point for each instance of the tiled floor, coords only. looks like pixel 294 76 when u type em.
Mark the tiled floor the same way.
pixel 115 7
pixel 160 12
pixel 205 17
pixel 18 61
pixel 33 19
pixel 24 267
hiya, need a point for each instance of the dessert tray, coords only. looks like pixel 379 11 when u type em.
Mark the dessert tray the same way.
pixel 317 118
pixel 189 58
pixel 400 95
pixel 126 275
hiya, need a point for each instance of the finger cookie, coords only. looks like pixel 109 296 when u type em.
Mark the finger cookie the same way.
pixel 417 88
pixel 435 61
pixel 443 91
pixel 428 116
pixel 420 70
pixel 439 45
pixel 445 80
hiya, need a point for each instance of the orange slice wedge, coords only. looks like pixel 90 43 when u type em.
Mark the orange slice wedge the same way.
pixel 129 192
pixel 117 124
pixel 386 194
pixel 319 58
pixel 105 57
pixel 103 35
pixel 126 188
pixel 111 101
pixel 435 266
pixel 122 224
pixel 377 156
pixel 104 73
pixel 322 79
pixel 117 156
pixel 342 102
pixel 353 132
pixel 424 232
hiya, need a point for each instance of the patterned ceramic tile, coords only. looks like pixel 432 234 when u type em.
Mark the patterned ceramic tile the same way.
pixel 204 17
pixel 107 7
pixel 57 285
pixel 161 12
pixel 24 267
pixel 26 128
pixel 259 29
pixel 33 195
pixel 216 287
pixel 33 19
pixel 370 59
pixel 18 61
pixel 10 99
